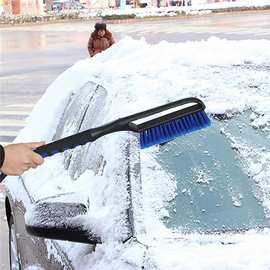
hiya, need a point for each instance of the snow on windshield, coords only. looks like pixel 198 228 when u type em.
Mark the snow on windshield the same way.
pixel 229 76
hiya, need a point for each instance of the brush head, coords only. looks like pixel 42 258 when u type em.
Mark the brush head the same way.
pixel 164 123
pixel 170 130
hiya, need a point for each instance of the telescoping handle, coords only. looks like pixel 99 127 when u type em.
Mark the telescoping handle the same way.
pixel 75 140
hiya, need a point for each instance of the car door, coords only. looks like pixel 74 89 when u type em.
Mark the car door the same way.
pixel 121 166
pixel 33 250
pixel 84 110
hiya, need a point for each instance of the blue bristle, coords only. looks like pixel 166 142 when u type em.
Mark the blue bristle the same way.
pixel 178 127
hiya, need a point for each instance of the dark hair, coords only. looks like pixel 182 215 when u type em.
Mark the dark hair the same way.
pixel 100 26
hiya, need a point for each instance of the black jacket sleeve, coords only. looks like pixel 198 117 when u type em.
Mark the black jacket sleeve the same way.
pixel 2 155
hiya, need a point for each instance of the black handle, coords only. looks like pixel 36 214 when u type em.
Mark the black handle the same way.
pixel 81 138
pixel 73 141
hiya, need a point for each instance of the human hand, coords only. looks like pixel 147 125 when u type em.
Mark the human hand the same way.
pixel 21 157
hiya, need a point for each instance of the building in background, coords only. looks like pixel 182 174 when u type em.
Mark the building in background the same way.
pixel 215 1
pixel 99 4
pixel 38 7
pixel 22 7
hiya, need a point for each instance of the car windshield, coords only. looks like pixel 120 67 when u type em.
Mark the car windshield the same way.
pixel 214 190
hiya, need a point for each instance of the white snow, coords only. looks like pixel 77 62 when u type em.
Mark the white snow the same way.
pixel 198 7
pixel 34 267
pixel 139 76
pixel 2 190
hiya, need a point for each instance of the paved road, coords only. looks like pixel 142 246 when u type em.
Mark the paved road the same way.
pixel 33 56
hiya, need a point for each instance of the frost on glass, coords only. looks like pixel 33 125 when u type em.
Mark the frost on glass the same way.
pixel 89 156
pixel 80 114
pixel 75 111
pixel 55 215
pixel 216 190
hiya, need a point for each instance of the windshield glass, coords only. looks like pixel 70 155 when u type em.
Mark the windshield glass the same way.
pixel 215 191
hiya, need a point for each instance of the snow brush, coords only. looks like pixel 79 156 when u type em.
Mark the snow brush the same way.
pixel 155 126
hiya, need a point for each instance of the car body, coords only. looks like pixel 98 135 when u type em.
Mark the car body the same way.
pixel 114 207
pixel 188 212
pixel 31 250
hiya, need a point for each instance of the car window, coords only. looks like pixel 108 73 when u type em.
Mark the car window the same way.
pixel 75 110
pixel 83 111
pixel 89 155
pixel 215 191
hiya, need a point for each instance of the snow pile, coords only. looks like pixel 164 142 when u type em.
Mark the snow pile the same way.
pixel 243 252
pixel 229 76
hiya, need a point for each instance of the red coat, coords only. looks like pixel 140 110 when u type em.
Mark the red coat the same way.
pixel 97 44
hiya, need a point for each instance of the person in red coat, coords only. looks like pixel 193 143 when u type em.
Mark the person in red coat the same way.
pixel 100 40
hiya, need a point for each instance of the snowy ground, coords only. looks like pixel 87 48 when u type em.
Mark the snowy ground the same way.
pixel 196 8
pixel 229 76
